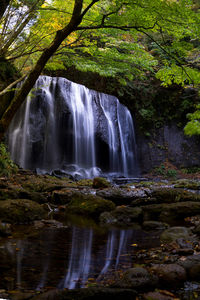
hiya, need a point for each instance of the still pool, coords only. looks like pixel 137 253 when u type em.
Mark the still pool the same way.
pixel 67 256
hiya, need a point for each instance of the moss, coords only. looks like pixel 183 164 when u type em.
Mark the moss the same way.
pixel 20 211
pixel 100 182
pixel 7 70
pixel 169 195
pixel 90 205
pixel 7 166
pixel 187 184
pixel 85 182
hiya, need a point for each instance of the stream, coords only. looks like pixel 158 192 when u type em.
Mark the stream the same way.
pixel 69 256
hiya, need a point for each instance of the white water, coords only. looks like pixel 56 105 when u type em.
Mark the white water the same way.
pixel 66 127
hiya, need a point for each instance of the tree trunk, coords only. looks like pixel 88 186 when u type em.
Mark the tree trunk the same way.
pixel 3 6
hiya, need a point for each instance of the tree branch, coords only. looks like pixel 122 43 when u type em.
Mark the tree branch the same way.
pixel 10 86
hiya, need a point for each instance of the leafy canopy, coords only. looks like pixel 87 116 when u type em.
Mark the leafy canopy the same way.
pixel 123 39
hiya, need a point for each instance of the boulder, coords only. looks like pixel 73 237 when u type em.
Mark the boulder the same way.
pixel 192 266
pixel 100 183
pixel 170 212
pixel 174 233
pixel 154 225
pixel 178 211
pixel 138 278
pixel 88 205
pixel 121 216
pixel 187 184
pixel 171 195
pixel 20 211
pixel 170 274
pixel 62 196
pixel 123 196
pixel 158 295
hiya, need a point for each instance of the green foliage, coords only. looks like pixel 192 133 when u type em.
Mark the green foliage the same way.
pixel 160 170
pixel 166 172
pixel 171 173
pixel 125 40
pixel 193 126
pixel 7 166
pixel 192 170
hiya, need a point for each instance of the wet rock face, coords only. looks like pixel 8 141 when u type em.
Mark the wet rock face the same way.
pixel 168 142
pixel 84 126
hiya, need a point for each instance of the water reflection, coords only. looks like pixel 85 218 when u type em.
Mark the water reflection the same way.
pixel 80 259
pixel 66 258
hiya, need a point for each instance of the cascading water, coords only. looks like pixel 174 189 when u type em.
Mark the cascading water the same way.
pixel 65 127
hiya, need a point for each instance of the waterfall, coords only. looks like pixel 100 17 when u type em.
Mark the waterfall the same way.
pixel 64 127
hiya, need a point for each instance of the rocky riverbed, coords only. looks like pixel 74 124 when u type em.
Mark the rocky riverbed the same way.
pixel 168 269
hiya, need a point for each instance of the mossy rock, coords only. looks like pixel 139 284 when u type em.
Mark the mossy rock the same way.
pixel 9 193
pixel 20 211
pixel 122 216
pixel 170 212
pixel 173 233
pixel 89 205
pixel 20 193
pixel 43 183
pixel 100 183
pixel 85 182
pixel 62 196
pixel 171 195
pixel 123 196
pixel 187 184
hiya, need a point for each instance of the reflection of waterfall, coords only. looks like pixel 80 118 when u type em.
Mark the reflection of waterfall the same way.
pixel 67 258
pixel 65 126
pixel 46 262
pixel 20 250
pixel 80 258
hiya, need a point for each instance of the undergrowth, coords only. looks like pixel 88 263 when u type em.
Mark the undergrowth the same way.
pixel 7 166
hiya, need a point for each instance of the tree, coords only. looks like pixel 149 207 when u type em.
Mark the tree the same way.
pixel 116 38
pixel 4 5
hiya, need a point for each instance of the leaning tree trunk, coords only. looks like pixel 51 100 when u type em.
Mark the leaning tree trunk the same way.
pixel 3 6
pixel 34 74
